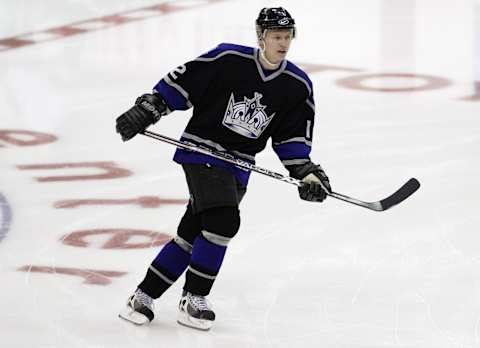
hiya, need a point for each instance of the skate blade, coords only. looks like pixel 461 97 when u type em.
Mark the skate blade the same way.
pixel 199 324
pixel 136 318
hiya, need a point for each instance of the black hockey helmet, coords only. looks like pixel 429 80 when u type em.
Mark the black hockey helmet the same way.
pixel 274 18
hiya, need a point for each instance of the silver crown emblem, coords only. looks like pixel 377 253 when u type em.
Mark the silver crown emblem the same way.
pixel 247 117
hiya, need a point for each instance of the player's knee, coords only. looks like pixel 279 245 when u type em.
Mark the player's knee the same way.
pixel 223 222
pixel 188 229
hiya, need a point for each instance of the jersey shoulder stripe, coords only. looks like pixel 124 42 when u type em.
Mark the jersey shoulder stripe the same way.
pixel 227 48
pixel 294 71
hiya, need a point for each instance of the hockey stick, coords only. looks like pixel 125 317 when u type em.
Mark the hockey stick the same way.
pixel 400 195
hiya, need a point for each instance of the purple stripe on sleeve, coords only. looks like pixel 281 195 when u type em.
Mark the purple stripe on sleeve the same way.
pixel 174 99
pixel 292 150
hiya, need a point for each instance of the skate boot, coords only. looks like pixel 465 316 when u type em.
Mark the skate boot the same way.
pixel 195 312
pixel 139 308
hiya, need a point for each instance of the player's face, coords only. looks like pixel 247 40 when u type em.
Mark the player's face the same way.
pixel 277 44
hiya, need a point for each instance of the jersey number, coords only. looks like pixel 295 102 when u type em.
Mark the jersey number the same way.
pixel 179 70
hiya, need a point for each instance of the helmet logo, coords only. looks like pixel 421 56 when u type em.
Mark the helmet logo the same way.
pixel 284 21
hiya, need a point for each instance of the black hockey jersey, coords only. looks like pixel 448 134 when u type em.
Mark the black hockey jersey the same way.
pixel 238 106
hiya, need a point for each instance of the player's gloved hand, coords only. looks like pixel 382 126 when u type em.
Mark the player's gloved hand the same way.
pixel 316 183
pixel 147 110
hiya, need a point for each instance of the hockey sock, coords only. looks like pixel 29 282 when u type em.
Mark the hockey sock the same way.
pixel 167 267
pixel 205 263
pixel 220 225
pixel 174 257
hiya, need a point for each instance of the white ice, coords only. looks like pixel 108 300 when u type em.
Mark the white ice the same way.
pixel 297 274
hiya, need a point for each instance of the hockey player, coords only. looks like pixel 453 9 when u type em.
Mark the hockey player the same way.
pixel 241 97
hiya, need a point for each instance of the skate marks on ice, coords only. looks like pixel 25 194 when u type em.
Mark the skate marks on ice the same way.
pixel 5 217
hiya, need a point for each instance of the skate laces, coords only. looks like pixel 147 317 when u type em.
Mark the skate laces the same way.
pixel 199 302
pixel 143 298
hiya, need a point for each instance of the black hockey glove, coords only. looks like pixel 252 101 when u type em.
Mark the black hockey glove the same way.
pixel 147 110
pixel 316 183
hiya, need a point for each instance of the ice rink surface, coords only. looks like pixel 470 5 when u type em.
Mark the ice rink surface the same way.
pixel 397 88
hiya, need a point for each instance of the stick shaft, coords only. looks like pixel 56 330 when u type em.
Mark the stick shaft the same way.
pixel 403 193
pixel 225 157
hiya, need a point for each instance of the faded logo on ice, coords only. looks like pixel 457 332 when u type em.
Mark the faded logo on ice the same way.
pixel 247 117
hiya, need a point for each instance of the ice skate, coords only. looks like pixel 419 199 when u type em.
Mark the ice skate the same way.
pixel 139 309
pixel 195 312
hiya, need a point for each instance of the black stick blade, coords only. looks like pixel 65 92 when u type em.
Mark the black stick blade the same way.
pixel 401 194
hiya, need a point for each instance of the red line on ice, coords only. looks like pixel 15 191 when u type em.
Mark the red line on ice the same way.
pixel 89 25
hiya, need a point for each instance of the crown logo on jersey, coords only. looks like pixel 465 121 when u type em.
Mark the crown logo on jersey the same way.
pixel 247 117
